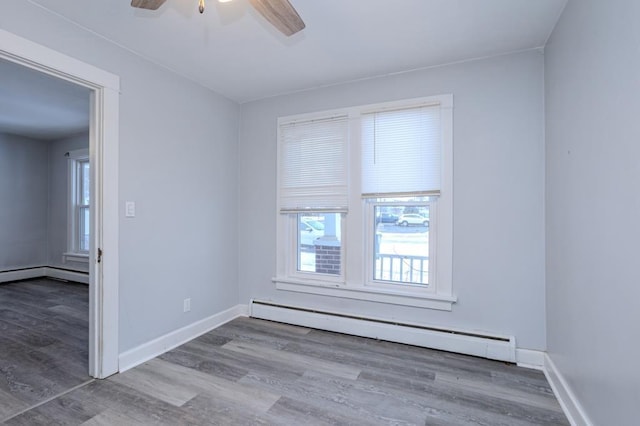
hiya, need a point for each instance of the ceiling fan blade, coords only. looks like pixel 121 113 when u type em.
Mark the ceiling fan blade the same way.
pixel 280 14
pixel 147 4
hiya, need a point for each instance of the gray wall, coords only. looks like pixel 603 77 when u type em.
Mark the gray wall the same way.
pixel 58 199
pixel 33 207
pixel 23 202
pixel 593 205
pixel 178 144
pixel 498 193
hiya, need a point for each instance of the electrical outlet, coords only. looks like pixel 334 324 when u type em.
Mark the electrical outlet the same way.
pixel 187 305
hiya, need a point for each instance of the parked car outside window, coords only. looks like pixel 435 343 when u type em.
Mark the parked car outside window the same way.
pixel 310 230
pixel 412 219
pixel 387 218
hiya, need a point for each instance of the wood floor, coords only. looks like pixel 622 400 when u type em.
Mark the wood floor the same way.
pixel 254 372
pixel 43 341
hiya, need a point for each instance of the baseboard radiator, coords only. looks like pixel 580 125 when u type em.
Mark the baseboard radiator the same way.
pixel 502 348
pixel 42 272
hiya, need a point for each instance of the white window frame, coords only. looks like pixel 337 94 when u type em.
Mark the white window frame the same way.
pixel 356 279
pixel 73 253
pixel 370 224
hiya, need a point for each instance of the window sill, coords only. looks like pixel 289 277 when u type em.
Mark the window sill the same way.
pixel 75 257
pixel 393 297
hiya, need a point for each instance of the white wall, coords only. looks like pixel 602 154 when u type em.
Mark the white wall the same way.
pixel 593 206
pixel 178 144
pixel 23 202
pixel 498 193
pixel 59 200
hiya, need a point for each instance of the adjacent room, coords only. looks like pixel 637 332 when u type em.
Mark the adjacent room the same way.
pixel 337 212
pixel 44 256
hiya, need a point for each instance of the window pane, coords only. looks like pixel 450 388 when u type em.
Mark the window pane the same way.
pixel 83 229
pixel 401 244
pixel 84 183
pixel 319 243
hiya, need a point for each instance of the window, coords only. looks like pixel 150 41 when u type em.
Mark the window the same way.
pixel 401 162
pixel 78 219
pixel 365 203
pixel 318 245
pixel 401 241
pixel 313 194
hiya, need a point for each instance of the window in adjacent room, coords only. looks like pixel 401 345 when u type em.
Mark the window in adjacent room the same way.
pixel 78 219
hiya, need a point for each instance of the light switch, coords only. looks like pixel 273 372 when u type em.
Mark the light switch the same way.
pixel 130 209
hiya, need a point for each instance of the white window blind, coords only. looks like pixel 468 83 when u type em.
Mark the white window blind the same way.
pixel 313 165
pixel 401 152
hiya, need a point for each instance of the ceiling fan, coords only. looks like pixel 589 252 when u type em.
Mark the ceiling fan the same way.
pixel 279 13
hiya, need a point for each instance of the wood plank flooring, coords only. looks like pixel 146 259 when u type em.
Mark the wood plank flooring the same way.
pixel 255 372
pixel 43 341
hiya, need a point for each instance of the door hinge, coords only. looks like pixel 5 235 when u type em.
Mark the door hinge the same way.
pixel 99 255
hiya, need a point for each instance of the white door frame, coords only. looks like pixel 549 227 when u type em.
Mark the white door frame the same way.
pixel 103 153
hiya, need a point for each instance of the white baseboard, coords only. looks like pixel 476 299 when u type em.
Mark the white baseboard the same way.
pixel 530 359
pixel 22 274
pixel 243 310
pixel 567 399
pixel 64 274
pixel 44 271
pixel 500 348
pixel 162 344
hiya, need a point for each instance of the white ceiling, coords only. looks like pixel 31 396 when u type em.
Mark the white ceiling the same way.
pixel 40 106
pixel 235 52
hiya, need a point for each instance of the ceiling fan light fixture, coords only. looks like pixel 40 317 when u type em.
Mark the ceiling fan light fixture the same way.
pixel 280 13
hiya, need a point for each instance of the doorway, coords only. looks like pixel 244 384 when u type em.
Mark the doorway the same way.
pixel 103 157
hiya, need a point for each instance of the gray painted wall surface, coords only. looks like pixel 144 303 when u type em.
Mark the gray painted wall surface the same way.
pixel 178 144
pixel 58 200
pixel 593 206
pixel 23 202
pixel 33 210
pixel 498 193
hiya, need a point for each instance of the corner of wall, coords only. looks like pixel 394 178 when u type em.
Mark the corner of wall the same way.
pixel 568 401
pixel 165 343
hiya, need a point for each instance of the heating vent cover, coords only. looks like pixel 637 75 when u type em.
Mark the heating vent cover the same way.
pixel 485 345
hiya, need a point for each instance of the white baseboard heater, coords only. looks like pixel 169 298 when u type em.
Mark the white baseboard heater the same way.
pixel 44 271
pixel 501 348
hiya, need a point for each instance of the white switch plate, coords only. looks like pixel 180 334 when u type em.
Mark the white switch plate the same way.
pixel 130 209
pixel 187 305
